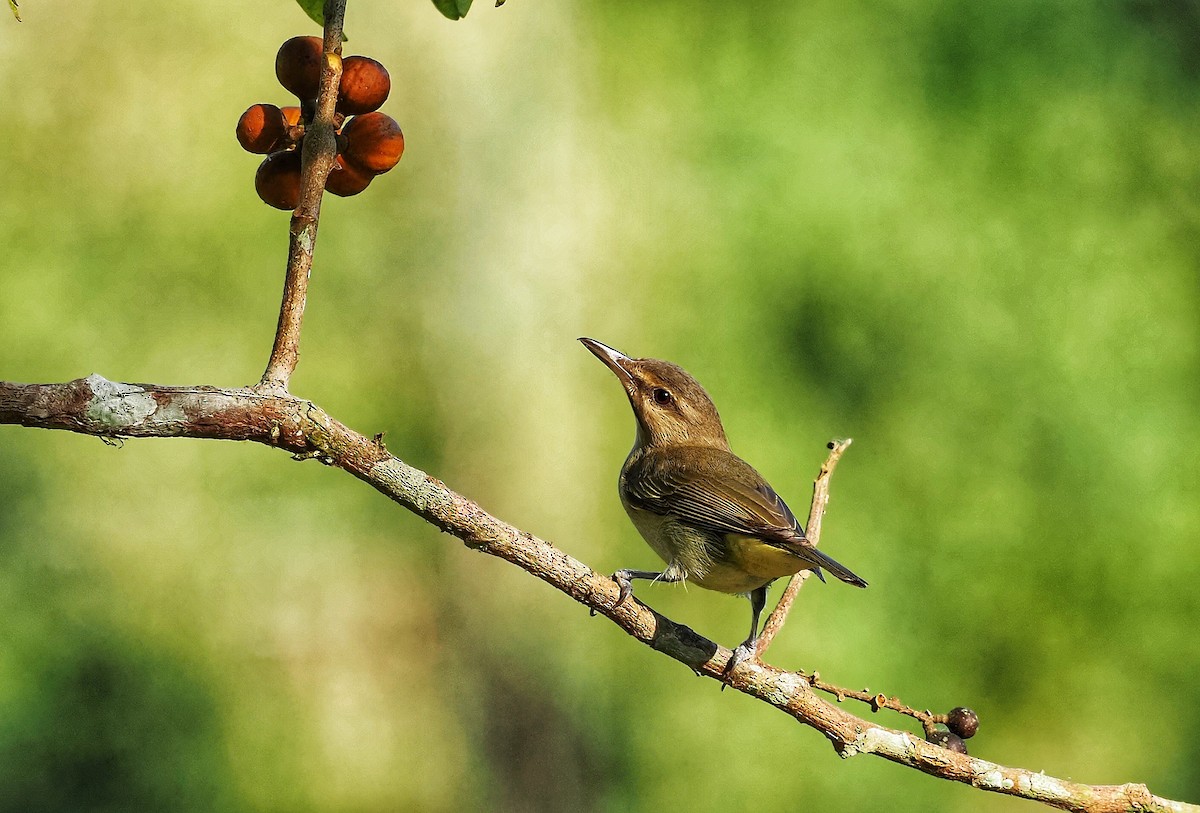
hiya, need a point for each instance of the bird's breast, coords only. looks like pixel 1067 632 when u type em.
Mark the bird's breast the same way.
pixel 662 533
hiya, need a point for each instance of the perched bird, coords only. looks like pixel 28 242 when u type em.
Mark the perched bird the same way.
pixel 707 513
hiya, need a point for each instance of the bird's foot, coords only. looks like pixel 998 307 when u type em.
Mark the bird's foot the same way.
pixel 624 580
pixel 746 652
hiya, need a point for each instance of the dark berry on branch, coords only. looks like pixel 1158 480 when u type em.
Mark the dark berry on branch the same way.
pixel 298 66
pixel 948 740
pixel 365 85
pixel 963 722
pixel 278 179
pixel 261 128
pixel 374 142
pixel 345 180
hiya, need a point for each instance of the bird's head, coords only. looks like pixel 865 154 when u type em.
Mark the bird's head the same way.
pixel 670 406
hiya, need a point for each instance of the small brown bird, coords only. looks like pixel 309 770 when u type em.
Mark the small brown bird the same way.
pixel 706 512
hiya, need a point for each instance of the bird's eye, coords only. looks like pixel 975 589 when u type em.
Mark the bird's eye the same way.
pixel 661 396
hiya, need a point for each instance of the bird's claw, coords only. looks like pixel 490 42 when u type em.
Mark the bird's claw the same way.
pixel 625 585
pixel 746 652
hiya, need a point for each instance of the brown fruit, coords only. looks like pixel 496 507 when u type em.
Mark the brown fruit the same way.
pixel 345 180
pixel 374 142
pixel 948 740
pixel 963 722
pixel 298 66
pixel 261 128
pixel 364 87
pixel 291 115
pixel 278 179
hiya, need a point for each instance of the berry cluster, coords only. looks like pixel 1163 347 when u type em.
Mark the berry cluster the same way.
pixel 962 724
pixel 369 144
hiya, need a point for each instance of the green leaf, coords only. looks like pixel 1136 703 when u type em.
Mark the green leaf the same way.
pixel 453 9
pixel 15 9
pixel 315 9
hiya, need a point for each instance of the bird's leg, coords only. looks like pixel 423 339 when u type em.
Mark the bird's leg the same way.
pixel 624 580
pixel 748 649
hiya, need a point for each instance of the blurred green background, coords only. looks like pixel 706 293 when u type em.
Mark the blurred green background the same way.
pixel 966 236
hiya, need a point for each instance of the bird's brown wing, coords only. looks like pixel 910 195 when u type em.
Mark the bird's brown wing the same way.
pixel 718 491
pixel 712 489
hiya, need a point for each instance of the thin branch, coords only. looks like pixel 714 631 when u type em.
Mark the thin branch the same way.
pixel 779 615
pixel 812 531
pixel 876 700
pixel 316 160
pixel 96 406
pixel 816 516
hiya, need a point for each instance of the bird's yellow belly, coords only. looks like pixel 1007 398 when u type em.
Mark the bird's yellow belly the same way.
pixel 750 563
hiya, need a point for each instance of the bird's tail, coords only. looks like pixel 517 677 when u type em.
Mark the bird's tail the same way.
pixel 833 566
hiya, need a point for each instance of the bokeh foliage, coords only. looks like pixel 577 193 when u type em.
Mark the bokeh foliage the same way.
pixel 966 235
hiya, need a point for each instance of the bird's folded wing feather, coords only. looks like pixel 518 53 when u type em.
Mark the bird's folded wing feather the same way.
pixel 712 489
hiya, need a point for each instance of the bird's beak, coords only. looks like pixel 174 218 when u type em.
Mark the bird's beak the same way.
pixel 615 360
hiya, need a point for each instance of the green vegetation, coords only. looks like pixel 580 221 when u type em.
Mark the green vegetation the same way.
pixel 967 236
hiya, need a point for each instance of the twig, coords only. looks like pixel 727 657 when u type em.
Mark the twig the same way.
pixel 96 406
pixel 816 515
pixel 316 160
pixel 876 700
pixel 812 531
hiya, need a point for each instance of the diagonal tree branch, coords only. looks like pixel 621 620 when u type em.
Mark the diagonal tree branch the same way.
pixel 97 406
pixel 267 414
